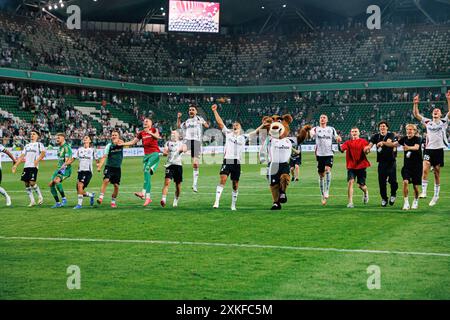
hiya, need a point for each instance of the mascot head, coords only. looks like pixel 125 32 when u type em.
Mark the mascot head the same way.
pixel 276 126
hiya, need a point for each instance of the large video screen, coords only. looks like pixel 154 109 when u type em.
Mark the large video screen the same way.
pixel 194 16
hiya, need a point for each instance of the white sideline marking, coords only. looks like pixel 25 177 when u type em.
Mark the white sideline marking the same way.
pixel 232 245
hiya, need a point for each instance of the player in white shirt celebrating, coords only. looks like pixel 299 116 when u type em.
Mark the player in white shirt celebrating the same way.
pixel 235 142
pixel 33 153
pixel 436 142
pixel 193 134
pixel 173 150
pixel 324 135
pixel 3 191
pixel 86 156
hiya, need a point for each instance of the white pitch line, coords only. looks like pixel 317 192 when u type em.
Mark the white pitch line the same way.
pixel 232 245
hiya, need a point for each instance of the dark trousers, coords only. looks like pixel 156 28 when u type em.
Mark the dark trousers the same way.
pixel 387 172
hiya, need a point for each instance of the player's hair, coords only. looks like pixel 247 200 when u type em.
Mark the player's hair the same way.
pixel 61 134
pixel 193 105
pixel 383 122
pixel 115 131
pixel 411 125
pixel 37 132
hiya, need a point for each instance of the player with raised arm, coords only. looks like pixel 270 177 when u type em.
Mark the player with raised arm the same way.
pixel 192 135
pixel 412 164
pixel 63 171
pixel 113 173
pixel 149 137
pixel 357 164
pixel 324 136
pixel 436 142
pixel 387 164
pixel 173 150
pixel 234 145
pixel 86 156
pixel 2 190
pixel 33 153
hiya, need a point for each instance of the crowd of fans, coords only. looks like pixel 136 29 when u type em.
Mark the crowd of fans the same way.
pixel 331 55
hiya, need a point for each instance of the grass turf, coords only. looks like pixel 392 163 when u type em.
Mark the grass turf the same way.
pixel 36 269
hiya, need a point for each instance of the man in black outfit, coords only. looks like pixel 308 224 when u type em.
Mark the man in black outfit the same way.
pixel 387 166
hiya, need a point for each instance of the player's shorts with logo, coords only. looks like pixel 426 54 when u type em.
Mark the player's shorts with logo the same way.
pixel 29 175
pixel 324 161
pixel 231 168
pixel 195 147
pixel 84 177
pixel 359 175
pixel 434 156
pixel 413 175
pixel 175 172
pixel 64 175
pixel 113 174
pixel 275 171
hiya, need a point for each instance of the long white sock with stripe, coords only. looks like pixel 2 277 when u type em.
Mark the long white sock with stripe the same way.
pixel 30 194
pixel 3 192
pixel 437 190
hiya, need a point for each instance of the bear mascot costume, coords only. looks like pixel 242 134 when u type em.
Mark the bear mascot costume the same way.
pixel 277 150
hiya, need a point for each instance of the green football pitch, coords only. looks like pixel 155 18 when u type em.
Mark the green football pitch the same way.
pixel 305 251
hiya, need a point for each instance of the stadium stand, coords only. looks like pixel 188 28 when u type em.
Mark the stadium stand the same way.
pixel 398 51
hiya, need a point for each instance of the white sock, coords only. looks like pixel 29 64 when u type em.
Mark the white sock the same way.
pixel 175 201
pixel 424 186
pixel 321 185
pixel 219 190
pixel 437 190
pixel 327 181
pixel 101 196
pixel 406 200
pixel 3 192
pixel 30 193
pixel 144 191
pixel 195 177
pixel 37 190
pixel 164 198
pixel 87 194
pixel 80 199
pixel 234 196
pixel 113 200
pixel 147 196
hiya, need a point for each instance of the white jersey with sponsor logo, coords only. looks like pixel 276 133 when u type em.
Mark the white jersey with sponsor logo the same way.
pixel 436 133
pixel 2 148
pixel 32 152
pixel 174 155
pixel 324 140
pixel 86 157
pixel 279 150
pixel 234 144
pixel 193 128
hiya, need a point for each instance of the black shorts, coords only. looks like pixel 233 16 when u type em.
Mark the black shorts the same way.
pixel 295 161
pixel 231 168
pixel 113 174
pixel 195 147
pixel 412 175
pixel 434 156
pixel 275 171
pixel 359 174
pixel 322 162
pixel 85 177
pixel 175 172
pixel 29 175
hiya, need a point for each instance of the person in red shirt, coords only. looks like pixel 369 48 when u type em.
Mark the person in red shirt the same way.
pixel 149 137
pixel 357 163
